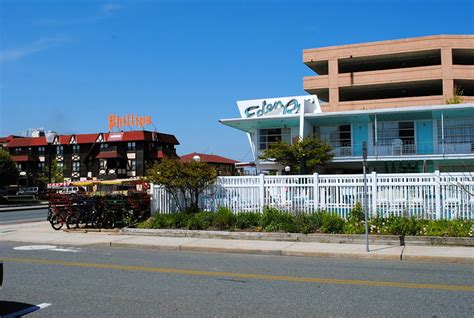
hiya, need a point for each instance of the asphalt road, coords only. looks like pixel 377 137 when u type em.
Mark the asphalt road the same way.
pixel 108 282
pixel 23 216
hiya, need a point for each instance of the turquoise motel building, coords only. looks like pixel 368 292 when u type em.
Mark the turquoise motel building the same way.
pixel 409 139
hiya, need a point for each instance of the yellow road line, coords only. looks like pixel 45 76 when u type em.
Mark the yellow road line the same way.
pixel 242 275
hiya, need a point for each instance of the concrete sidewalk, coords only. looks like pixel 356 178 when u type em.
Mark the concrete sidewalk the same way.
pixel 12 208
pixel 42 233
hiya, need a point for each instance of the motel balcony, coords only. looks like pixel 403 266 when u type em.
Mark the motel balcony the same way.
pixel 399 148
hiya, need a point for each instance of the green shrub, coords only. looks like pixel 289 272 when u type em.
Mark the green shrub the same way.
pixel 353 227
pixel 356 220
pixel 224 218
pixel 273 220
pixel 246 220
pixel 308 223
pixel 357 213
pixel 200 221
pixel 178 220
pixel 147 224
pixel 452 228
pixel 332 223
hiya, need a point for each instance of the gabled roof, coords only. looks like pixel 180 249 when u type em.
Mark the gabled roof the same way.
pixel 86 138
pixel 27 142
pixel 167 139
pixel 8 138
pixel 208 158
pixel 14 141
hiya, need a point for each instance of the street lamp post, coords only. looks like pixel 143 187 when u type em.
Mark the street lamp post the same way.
pixel 303 164
pixel 50 135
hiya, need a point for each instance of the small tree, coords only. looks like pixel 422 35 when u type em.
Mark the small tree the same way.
pixel 8 169
pixel 457 96
pixel 305 155
pixel 57 174
pixel 185 181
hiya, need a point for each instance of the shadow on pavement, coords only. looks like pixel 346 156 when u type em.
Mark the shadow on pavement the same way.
pixel 15 309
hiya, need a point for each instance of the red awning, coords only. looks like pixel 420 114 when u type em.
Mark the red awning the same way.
pixel 24 158
pixel 109 155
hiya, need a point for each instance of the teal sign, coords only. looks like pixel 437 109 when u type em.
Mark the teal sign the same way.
pixel 292 107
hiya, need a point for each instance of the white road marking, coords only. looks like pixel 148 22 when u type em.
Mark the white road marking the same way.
pixel 61 249
pixel 27 310
pixel 47 247
pixel 34 247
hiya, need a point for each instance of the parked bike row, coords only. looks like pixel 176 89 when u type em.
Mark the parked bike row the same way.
pixel 98 211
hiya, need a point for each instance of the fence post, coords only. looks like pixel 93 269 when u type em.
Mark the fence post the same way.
pixel 262 191
pixel 374 193
pixel 316 191
pixel 153 207
pixel 438 195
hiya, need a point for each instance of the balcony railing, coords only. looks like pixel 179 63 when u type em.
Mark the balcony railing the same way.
pixel 402 149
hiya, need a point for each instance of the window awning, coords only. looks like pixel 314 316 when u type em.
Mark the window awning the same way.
pixel 24 158
pixel 109 155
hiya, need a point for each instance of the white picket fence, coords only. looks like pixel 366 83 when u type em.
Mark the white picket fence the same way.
pixel 424 195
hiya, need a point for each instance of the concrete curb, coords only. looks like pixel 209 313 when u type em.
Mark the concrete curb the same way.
pixel 310 238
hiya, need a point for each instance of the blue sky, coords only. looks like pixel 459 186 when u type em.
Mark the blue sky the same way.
pixel 67 65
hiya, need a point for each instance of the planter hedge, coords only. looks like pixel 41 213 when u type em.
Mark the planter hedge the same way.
pixel 273 220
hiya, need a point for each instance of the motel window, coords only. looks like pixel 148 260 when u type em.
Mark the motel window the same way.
pixel 388 132
pixel 76 166
pixel 132 165
pixel 41 150
pixel 336 136
pixel 457 131
pixel 16 151
pixel 104 146
pixel 60 165
pixel 60 150
pixel 102 164
pixel 40 166
pixel 272 136
pixel 76 149
pixel 131 146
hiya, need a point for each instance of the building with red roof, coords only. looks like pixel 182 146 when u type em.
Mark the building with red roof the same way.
pixel 224 166
pixel 92 156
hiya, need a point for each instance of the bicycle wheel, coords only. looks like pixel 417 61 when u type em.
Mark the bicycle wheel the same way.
pixel 72 221
pixel 57 222
pixel 109 222
pixel 98 221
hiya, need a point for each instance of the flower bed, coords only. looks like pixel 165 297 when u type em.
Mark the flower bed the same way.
pixel 272 220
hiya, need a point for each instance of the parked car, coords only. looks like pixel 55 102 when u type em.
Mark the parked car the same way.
pixel 72 190
pixel 28 191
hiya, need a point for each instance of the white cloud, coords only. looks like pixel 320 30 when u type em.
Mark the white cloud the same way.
pixel 30 48
pixel 111 8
